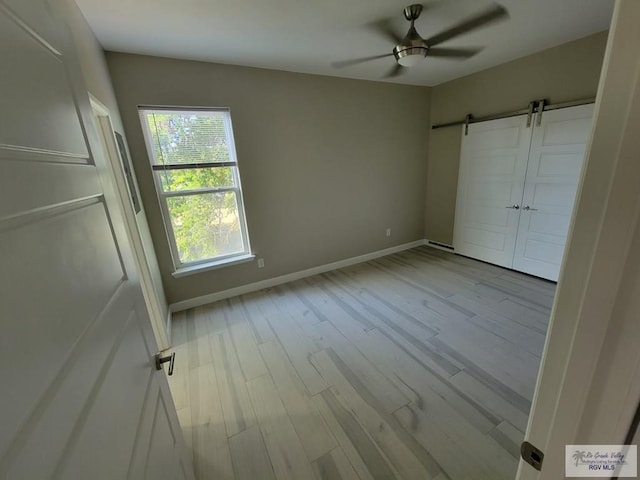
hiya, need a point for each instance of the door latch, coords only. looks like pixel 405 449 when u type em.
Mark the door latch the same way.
pixel 532 455
pixel 168 358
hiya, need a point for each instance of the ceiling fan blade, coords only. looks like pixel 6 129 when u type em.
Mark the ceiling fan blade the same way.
pixel 492 14
pixel 453 52
pixel 385 28
pixel 356 61
pixel 396 70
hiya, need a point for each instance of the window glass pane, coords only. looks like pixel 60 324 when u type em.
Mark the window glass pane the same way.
pixel 206 225
pixel 188 137
pixel 195 178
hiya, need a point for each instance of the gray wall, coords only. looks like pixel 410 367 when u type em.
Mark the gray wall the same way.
pixel 568 72
pixel 96 77
pixel 327 164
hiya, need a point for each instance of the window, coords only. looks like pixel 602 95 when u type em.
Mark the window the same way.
pixel 198 183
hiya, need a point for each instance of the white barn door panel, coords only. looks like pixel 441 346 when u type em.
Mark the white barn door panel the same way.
pixel 555 163
pixel 517 187
pixel 80 394
pixel 493 165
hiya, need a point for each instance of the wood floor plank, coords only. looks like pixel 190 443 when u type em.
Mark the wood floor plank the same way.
pixel 311 430
pixel 517 311
pixel 332 305
pixel 519 325
pixel 346 441
pixel 249 456
pixel 436 441
pixel 502 405
pixel 236 406
pixel 509 437
pixel 289 298
pixel 409 274
pixel 441 280
pixel 283 444
pixel 257 320
pixel 298 346
pixel 412 296
pixel 379 308
pixel 514 289
pixel 487 454
pixel 507 370
pixel 372 456
pixel 388 437
pixel 385 392
pixel 431 390
pixel 403 333
pixel 243 340
pixel 334 466
pixel 212 459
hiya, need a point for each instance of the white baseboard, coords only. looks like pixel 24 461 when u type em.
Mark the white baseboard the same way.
pixel 272 282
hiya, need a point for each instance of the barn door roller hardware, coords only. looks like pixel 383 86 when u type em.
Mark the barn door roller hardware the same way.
pixel 536 106
pixel 467 121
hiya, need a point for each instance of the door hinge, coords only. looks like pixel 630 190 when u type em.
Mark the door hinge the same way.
pixel 532 455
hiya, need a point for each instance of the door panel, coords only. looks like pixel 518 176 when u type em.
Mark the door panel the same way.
pixel 555 163
pixel 492 169
pixel 76 347
pixel 50 105
pixel 109 429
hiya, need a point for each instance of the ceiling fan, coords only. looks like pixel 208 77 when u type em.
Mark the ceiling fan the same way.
pixel 408 51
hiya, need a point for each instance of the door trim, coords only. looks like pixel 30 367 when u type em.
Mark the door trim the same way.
pixel 105 129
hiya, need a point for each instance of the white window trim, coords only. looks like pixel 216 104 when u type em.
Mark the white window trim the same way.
pixel 182 269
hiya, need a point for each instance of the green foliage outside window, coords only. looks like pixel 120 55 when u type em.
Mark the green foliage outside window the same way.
pixel 205 224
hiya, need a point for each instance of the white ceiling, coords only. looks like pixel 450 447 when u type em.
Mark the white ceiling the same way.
pixel 306 36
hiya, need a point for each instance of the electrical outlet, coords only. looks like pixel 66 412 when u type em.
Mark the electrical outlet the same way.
pixel 260 262
pixel 388 232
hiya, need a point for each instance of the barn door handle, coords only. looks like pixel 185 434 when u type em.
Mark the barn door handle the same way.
pixel 160 360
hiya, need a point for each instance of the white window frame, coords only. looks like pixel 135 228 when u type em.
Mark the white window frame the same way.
pixel 185 268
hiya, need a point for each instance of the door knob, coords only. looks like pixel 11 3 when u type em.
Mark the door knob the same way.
pixel 527 207
pixel 160 360
pixel 514 206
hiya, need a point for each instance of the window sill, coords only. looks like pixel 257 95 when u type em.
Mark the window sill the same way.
pixel 213 265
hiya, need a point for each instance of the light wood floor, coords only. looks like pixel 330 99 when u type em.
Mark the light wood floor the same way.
pixel 419 365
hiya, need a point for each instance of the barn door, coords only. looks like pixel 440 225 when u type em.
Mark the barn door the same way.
pixel 493 163
pixel 553 172
pixel 81 397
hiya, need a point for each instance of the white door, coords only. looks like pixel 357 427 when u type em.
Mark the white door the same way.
pixel 80 395
pixel 493 163
pixel 589 382
pixel 555 162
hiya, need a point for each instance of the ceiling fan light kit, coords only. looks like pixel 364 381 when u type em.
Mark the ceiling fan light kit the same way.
pixel 409 56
